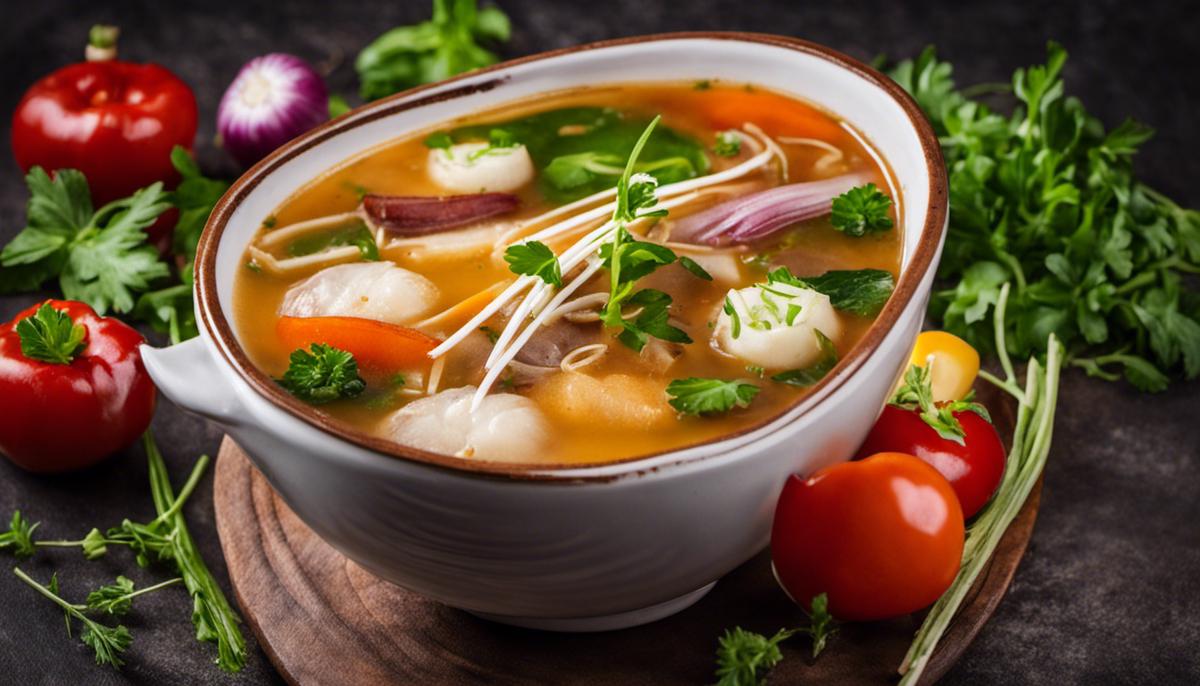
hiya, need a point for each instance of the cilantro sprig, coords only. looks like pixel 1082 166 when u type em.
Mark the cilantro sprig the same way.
pixel 1044 197
pixel 50 335
pixel 744 657
pixel 697 396
pixel 99 256
pixel 861 210
pixel 322 374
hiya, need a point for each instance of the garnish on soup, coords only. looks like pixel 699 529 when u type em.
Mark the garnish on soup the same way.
pixel 580 279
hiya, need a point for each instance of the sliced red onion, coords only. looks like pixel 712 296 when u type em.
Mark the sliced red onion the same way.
pixel 274 98
pixel 420 215
pixel 760 214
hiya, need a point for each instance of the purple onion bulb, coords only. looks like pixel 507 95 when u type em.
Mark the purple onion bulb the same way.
pixel 273 99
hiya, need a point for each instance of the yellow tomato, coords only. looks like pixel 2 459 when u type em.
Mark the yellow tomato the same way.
pixel 953 364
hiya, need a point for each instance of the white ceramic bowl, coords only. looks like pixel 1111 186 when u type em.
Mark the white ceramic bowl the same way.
pixel 560 548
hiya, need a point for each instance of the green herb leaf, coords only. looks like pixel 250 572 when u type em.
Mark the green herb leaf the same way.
pixel 694 267
pixel 49 335
pixel 431 51
pixel 653 320
pixel 859 291
pixel 534 258
pixel 821 624
pixel 916 394
pixel 195 198
pixel 728 144
pixel 108 643
pixel 861 210
pixel 170 310
pixel 337 106
pixel 438 141
pixel 322 374
pixel 94 545
pixel 816 371
pixel 112 599
pixel 698 396
pixel 19 537
pixel 744 657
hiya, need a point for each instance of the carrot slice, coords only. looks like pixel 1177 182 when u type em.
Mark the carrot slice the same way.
pixel 375 345
pixel 773 113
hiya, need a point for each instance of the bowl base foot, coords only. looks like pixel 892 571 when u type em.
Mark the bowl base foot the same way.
pixel 620 620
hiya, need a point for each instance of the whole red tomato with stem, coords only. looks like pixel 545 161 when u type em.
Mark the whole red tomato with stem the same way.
pixel 881 537
pixel 72 387
pixel 957 438
pixel 114 121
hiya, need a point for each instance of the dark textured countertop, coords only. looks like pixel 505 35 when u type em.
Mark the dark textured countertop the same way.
pixel 1108 590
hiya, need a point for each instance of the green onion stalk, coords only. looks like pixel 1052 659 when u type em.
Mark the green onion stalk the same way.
pixel 1036 404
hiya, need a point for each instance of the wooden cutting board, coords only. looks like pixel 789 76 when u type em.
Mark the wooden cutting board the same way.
pixel 323 620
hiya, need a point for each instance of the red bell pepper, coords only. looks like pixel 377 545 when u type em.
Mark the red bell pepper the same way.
pixel 72 387
pixel 114 121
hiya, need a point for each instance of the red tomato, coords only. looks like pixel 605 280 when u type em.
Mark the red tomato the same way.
pixel 973 468
pixel 882 537
pixel 59 416
pixel 114 121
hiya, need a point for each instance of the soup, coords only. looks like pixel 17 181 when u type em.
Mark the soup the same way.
pixel 597 275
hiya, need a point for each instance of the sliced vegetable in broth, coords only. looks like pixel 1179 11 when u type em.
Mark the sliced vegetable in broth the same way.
pixel 695 285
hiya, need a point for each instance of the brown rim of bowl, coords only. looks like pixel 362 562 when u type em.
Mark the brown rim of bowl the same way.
pixel 218 326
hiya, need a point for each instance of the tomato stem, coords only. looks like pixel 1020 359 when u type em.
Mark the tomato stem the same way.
pixel 102 43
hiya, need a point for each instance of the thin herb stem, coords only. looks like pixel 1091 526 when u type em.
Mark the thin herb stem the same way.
pixel 73 609
pixel 1000 333
pixel 151 589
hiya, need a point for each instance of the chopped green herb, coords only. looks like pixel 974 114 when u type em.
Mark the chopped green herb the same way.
pixel 698 396
pixel 19 537
pixel 49 335
pixel 108 643
pixel 735 319
pixel 816 371
pixel 694 267
pixel 743 657
pixel 438 141
pixel 728 144
pixel 534 258
pixel 702 85
pixel 492 334
pixel 653 320
pixel 322 374
pixel 357 235
pixel 756 370
pixel 269 222
pixel 861 210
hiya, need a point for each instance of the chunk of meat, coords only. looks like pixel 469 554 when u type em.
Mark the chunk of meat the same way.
pixel 506 427
pixel 372 290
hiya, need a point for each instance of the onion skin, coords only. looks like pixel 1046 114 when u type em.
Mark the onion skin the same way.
pixel 273 99
pixel 420 215
pixel 751 217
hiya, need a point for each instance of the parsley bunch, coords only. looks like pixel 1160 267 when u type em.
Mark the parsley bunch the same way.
pixel 744 657
pixel 1046 198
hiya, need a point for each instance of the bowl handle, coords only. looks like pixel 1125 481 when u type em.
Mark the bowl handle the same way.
pixel 189 376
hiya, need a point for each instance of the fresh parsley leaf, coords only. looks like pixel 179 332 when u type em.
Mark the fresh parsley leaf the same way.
pixel 728 144
pixel 49 335
pixel 534 258
pixel 19 537
pixel 698 396
pixel 744 657
pixel 57 211
pixel 322 374
pixel 653 320
pixel 861 210
pixel 810 375
pixel 431 51
pixel 438 141
pixel 694 267
pixel 859 291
